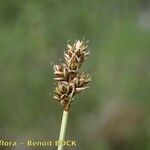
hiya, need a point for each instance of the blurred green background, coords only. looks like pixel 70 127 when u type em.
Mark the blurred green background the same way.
pixel 114 113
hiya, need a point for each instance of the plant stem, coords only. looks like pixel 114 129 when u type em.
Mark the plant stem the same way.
pixel 63 129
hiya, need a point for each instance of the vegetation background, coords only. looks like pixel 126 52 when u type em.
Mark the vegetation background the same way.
pixel 114 113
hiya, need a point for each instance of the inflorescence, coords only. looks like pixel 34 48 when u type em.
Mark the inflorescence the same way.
pixel 69 80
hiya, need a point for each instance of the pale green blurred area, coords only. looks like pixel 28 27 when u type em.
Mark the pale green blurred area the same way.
pixel 114 113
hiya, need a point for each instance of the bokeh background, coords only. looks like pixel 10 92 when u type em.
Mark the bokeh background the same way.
pixel 114 113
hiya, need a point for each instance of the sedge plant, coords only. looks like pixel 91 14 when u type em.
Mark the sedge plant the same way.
pixel 69 81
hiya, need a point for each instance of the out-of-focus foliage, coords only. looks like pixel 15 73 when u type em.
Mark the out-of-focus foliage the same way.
pixel 113 113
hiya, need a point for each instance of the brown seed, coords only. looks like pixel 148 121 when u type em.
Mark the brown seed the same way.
pixel 70 81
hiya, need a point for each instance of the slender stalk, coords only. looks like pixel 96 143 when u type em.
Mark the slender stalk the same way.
pixel 63 129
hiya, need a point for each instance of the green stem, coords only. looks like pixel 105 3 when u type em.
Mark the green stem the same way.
pixel 63 129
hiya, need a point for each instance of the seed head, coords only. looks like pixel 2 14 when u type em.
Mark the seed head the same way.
pixel 69 80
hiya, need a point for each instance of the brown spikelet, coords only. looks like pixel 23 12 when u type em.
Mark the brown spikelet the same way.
pixel 69 80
